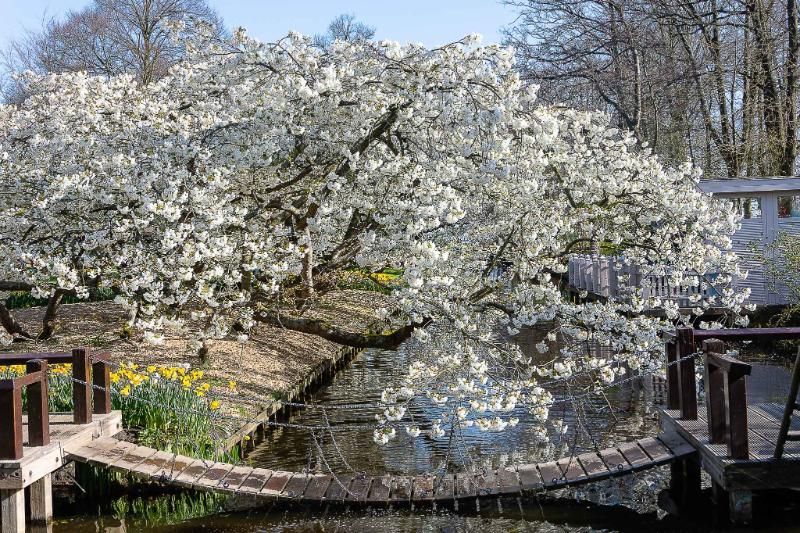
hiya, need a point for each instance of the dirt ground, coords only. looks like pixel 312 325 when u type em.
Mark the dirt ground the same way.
pixel 271 360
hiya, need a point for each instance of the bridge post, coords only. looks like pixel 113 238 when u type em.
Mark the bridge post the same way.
pixel 684 482
pixel 688 384
pixel 673 398
pixel 715 392
pixel 12 510
pixel 101 378
pixel 38 406
pixel 10 420
pixel 41 500
pixel 81 386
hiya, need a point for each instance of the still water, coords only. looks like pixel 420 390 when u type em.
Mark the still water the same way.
pixel 625 504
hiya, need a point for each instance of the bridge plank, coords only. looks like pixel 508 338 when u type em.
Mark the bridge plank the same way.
pixel 658 452
pixel 444 488
pixel 423 487
pixel 317 487
pixel 173 468
pixel 677 445
pixel 296 486
pixel 571 468
pixel 191 473
pixel 359 488
pixel 401 488
pixel 614 460
pixel 255 481
pixel 465 485
pixel 508 481
pixel 486 482
pixel 275 484
pixel 153 464
pixel 96 447
pixel 529 477
pixel 337 491
pixel 381 489
pixel 235 478
pixel 634 454
pixel 551 474
pixel 213 476
pixel 129 460
pixel 593 465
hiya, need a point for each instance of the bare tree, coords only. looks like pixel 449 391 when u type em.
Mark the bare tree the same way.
pixel 714 81
pixel 345 27
pixel 109 37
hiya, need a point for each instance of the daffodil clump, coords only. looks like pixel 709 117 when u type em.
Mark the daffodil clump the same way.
pixel 168 406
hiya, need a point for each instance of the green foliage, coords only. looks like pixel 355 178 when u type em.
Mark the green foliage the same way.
pixel 24 300
pixel 781 259
pixel 165 407
pixel 167 509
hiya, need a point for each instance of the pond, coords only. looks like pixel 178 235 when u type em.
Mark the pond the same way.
pixel 625 504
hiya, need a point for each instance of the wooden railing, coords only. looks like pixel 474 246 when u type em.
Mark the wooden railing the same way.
pixel 91 384
pixel 726 389
pixel 607 277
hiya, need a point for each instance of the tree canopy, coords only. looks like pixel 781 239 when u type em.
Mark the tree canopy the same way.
pixel 234 189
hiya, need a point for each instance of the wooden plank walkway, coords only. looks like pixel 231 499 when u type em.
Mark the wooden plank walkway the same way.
pixel 760 470
pixel 209 475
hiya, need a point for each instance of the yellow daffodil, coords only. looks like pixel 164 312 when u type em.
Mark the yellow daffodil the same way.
pixel 214 405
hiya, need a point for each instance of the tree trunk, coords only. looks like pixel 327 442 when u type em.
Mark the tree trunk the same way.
pixel 10 324
pixel 790 144
pixel 49 320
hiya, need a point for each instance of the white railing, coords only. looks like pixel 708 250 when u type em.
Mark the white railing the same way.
pixel 609 277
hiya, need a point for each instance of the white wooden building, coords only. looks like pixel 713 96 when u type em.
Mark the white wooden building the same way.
pixel 770 206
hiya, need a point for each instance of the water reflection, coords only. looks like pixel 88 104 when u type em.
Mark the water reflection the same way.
pixel 593 422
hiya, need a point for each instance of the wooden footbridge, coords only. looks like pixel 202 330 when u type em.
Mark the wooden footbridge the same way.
pixel 734 442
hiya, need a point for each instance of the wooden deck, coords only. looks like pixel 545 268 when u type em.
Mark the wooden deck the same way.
pixel 760 470
pixel 65 436
pixel 208 475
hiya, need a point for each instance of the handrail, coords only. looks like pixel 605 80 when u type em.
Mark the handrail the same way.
pixel 726 399
pixel 747 334
pixel 726 389
pixel 11 411
pixel 8 359
pixel 91 384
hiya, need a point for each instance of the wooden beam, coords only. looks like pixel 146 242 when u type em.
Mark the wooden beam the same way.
pixel 12 510
pixel 101 379
pixel 38 406
pixel 673 394
pixel 10 423
pixel 748 334
pixel 688 382
pixel 41 500
pixel 715 392
pixel 81 389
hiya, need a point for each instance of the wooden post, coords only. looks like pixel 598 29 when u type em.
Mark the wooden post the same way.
pixel 38 407
pixel 82 388
pixel 101 379
pixel 12 510
pixel 684 483
pixel 740 506
pixel 673 397
pixel 736 408
pixel 715 392
pixel 687 389
pixel 10 420
pixel 41 500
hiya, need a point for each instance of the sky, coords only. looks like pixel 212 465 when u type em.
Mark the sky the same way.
pixel 431 22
